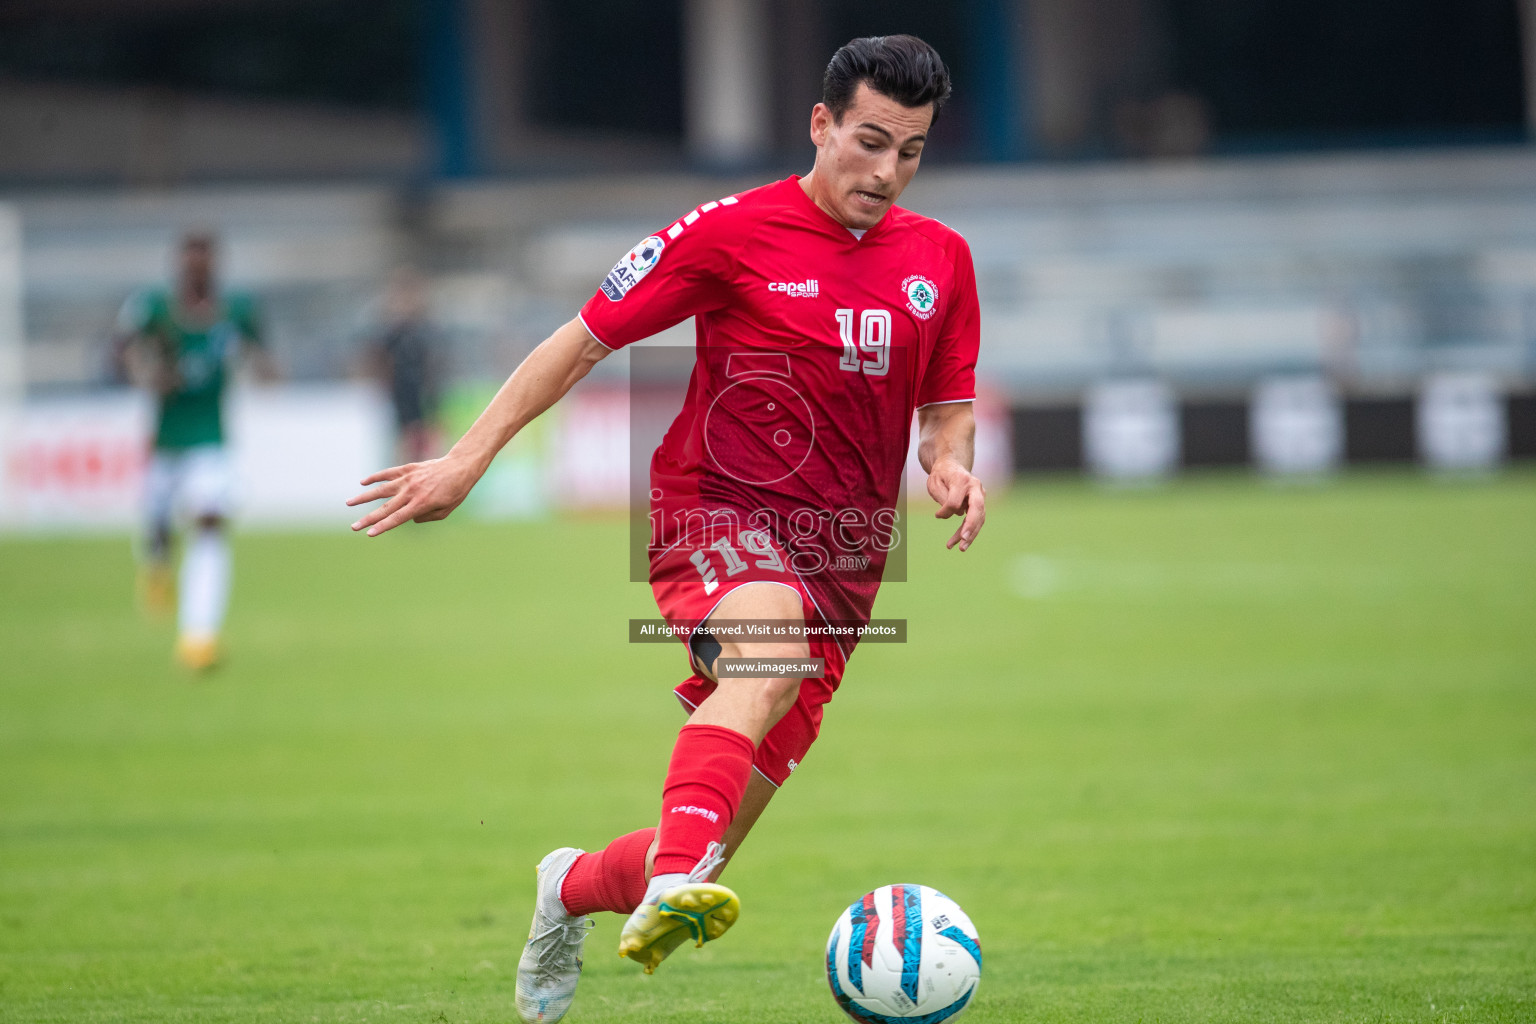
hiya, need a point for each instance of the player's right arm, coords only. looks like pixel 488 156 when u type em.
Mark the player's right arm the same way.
pixel 138 354
pixel 424 492
pixel 662 281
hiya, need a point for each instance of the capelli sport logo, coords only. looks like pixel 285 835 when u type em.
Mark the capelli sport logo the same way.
pixel 808 289
pixel 922 296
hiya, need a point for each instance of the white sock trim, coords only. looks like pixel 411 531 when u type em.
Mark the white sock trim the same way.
pixel 554 903
pixel 661 883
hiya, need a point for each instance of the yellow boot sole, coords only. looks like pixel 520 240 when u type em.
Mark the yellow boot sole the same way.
pixel 701 911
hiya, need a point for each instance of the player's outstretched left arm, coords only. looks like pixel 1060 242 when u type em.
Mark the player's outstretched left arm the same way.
pixel 424 492
pixel 946 448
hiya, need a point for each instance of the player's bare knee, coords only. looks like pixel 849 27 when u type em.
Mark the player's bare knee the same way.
pixel 772 694
pixel 782 694
pixel 779 693
pixel 770 698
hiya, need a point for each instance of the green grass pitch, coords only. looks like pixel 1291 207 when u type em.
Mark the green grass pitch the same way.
pixel 1216 751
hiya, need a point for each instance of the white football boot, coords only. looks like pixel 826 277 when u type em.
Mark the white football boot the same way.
pixel 678 908
pixel 551 963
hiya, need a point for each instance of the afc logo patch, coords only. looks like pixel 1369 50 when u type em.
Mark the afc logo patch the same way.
pixel 922 296
pixel 629 271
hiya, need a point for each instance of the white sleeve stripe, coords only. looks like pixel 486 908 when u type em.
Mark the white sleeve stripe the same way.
pixel 729 201
pixel 708 206
pixel 595 338
pixel 948 401
pixel 675 230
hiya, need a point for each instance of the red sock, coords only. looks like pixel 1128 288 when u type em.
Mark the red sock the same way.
pixel 705 784
pixel 613 878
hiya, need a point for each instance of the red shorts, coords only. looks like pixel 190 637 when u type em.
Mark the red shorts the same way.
pixel 690 582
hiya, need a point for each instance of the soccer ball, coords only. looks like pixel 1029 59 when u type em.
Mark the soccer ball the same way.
pixel 903 952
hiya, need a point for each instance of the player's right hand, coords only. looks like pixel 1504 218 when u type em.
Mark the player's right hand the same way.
pixel 420 492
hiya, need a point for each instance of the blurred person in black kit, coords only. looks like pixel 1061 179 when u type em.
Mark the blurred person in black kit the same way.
pixel 405 356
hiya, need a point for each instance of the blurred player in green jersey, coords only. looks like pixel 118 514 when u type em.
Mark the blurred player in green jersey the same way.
pixel 180 343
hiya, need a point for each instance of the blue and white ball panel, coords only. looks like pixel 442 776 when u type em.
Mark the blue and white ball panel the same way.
pixel 903 953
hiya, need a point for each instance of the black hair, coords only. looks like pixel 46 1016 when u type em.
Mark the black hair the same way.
pixel 903 67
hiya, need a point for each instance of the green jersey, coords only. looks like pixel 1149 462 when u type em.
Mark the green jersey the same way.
pixel 192 413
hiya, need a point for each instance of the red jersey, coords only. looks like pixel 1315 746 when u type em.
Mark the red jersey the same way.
pixel 814 346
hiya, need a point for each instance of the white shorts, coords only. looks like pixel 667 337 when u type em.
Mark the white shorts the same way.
pixel 194 482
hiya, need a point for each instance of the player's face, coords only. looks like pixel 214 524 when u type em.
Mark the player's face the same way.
pixel 197 264
pixel 865 160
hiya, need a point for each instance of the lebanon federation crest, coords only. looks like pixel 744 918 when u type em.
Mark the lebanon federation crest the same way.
pixel 922 296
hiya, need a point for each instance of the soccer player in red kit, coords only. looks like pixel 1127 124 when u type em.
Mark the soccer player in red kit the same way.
pixel 825 316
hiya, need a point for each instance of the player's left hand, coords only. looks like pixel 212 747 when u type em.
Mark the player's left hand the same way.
pixel 958 493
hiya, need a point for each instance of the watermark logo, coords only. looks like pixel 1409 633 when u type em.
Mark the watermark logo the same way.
pixel 787 466
pixel 759 429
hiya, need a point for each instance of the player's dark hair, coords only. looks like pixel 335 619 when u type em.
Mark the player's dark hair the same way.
pixel 904 68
